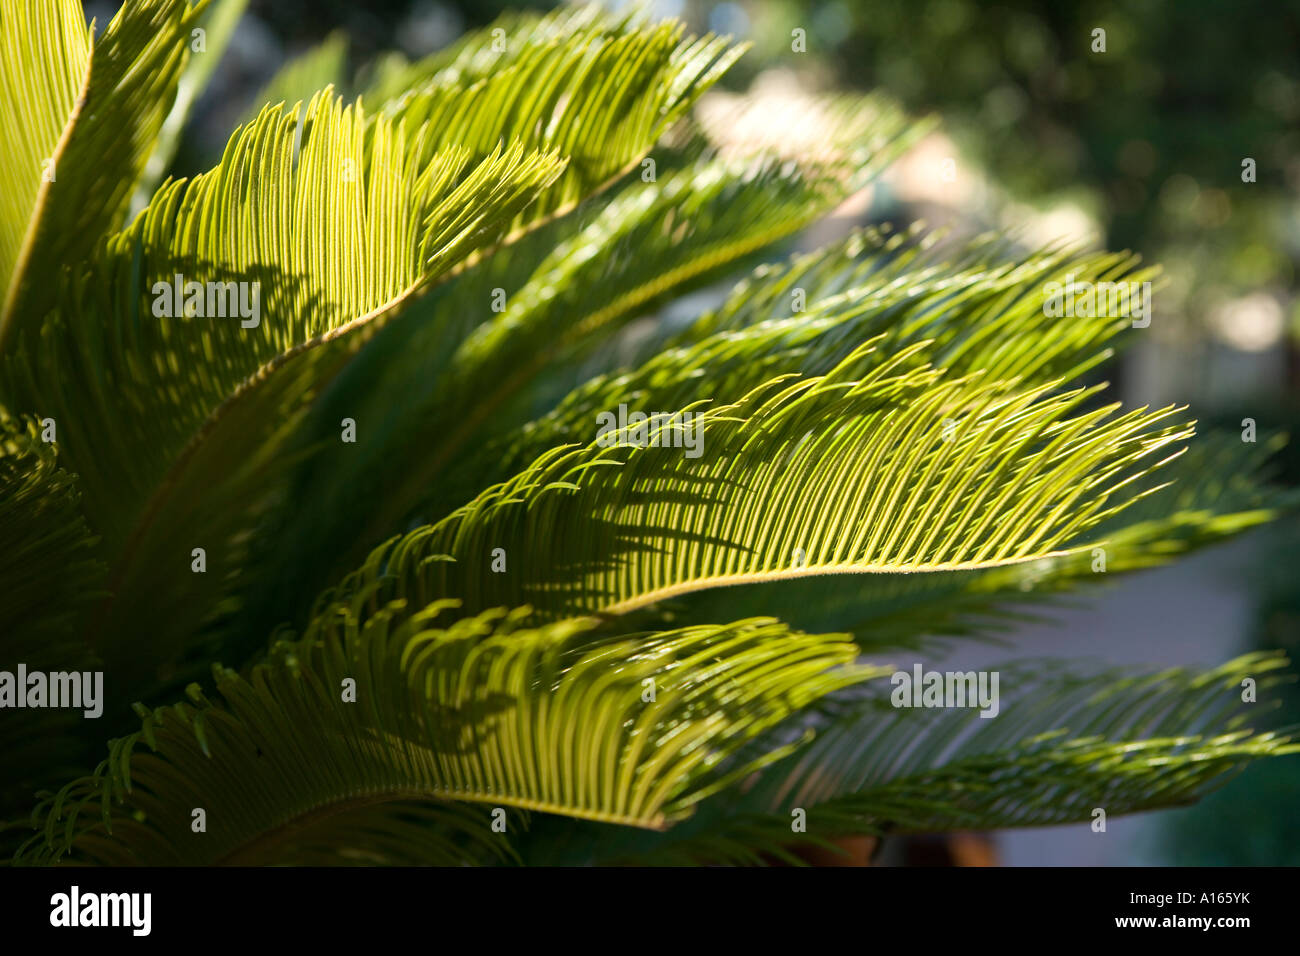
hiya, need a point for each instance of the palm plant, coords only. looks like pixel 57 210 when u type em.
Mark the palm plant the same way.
pixel 463 628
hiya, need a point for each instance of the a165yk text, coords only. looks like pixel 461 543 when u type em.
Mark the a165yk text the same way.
pixel 1184 897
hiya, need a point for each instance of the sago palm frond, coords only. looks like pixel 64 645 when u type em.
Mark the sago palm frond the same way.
pixel 384 226
pixel 975 314
pixel 49 565
pixel 498 621
pixel 376 704
pixel 39 88
pixel 881 465
pixel 389 213
pixel 1066 745
pixel 1216 489
pixel 1061 748
pixel 686 227
pixel 122 86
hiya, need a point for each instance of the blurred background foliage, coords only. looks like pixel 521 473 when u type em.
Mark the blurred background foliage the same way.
pixel 1042 135
pixel 1140 146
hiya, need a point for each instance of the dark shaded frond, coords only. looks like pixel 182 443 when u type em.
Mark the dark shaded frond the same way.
pixel 50 574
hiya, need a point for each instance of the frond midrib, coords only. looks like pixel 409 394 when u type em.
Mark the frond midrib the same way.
pixel 8 308
pixel 648 598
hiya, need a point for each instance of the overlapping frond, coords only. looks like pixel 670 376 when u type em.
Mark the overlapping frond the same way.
pixel 600 101
pixel 451 359
pixel 1061 747
pixel 50 572
pixel 977 309
pixel 294 236
pixel 654 240
pixel 378 704
pixel 337 219
pixel 885 436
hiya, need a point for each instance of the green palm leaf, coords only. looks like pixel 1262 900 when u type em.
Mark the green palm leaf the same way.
pixel 48 563
pixel 296 235
pixel 123 93
pixel 600 102
pixel 684 230
pixel 868 287
pixel 456 279
pixel 687 226
pixel 340 218
pixel 1061 747
pixel 632 729
pixel 39 87
pixel 849 472
pixel 1216 489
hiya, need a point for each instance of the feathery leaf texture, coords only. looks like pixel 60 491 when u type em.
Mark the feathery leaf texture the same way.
pixel 40 83
pixel 598 99
pixel 1212 491
pixel 979 313
pixel 49 566
pixel 686 228
pixel 554 719
pixel 323 247
pixel 1062 746
pixel 873 444
pixel 881 465
pixel 339 216
pixel 129 83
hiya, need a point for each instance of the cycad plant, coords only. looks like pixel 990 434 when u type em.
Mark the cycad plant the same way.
pixel 414 512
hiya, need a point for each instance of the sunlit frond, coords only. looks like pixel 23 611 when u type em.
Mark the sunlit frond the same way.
pixel 882 465
pixel 44 51
pixel 127 89
pixel 378 704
